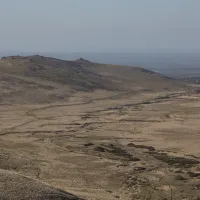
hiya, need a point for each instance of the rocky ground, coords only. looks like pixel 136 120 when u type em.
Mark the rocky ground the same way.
pixel 104 146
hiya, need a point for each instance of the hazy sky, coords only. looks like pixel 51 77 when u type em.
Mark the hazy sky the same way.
pixel 99 25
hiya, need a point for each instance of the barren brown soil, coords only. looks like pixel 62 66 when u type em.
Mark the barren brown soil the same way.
pixel 102 145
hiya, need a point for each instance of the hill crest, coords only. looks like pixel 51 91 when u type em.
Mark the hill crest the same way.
pixel 31 74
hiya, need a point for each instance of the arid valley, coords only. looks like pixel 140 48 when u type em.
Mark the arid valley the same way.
pixel 99 132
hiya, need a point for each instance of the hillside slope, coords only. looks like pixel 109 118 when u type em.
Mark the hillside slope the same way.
pixel 32 189
pixel 43 79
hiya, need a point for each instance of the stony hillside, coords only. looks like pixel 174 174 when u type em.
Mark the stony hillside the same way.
pixel 44 79
pixel 32 189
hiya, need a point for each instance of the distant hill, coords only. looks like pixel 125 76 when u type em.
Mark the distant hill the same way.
pixel 45 79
